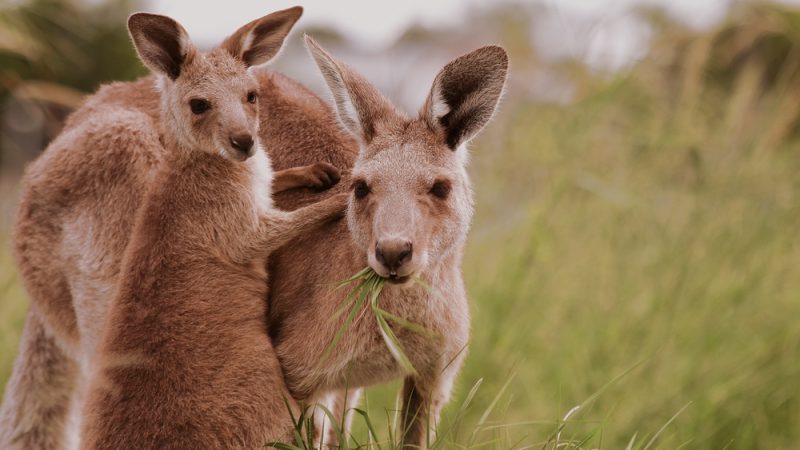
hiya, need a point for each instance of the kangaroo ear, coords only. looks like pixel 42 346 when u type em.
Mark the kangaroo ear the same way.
pixel 465 93
pixel 260 40
pixel 360 105
pixel 162 44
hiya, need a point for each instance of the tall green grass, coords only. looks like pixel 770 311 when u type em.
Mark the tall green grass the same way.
pixel 13 305
pixel 641 224
pixel 649 229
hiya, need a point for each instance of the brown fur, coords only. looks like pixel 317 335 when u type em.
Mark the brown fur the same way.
pixel 186 343
pixel 291 118
pixel 401 159
pixel 37 399
pixel 74 222
pixel 94 173
pixel 185 360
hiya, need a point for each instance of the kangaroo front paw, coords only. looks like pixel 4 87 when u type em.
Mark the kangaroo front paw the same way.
pixel 322 176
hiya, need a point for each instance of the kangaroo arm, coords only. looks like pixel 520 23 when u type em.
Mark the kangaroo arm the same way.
pixel 318 176
pixel 277 228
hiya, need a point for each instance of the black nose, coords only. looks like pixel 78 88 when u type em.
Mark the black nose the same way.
pixel 393 253
pixel 242 142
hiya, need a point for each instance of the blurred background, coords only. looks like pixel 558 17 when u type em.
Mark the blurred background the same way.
pixel 635 249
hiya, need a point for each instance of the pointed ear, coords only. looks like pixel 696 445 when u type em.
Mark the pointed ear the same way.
pixel 360 105
pixel 162 44
pixel 465 93
pixel 260 40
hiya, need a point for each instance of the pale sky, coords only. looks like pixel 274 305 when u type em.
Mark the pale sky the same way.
pixel 603 33
pixel 373 23
pixel 377 23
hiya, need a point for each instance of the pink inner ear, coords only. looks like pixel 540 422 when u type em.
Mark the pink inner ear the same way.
pixel 470 87
pixel 264 36
pixel 159 42
pixel 267 39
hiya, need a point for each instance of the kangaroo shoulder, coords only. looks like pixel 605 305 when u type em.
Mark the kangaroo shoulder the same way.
pixel 140 95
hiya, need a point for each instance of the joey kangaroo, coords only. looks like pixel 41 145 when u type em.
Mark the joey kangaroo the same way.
pixel 409 213
pixel 185 360
pixel 77 209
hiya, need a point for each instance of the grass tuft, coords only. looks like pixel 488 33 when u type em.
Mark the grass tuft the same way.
pixel 366 288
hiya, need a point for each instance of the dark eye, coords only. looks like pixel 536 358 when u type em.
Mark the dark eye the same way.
pixel 199 106
pixel 360 189
pixel 441 189
pixel 252 97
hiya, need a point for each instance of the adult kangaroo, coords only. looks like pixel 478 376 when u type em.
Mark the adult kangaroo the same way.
pixel 409 213
pixel 77 209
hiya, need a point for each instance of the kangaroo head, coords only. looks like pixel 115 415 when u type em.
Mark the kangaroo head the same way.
pixel 411 200
pixel 210 100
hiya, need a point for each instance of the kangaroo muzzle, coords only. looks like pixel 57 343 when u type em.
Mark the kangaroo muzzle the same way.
pixel 393 254
pixel 242 143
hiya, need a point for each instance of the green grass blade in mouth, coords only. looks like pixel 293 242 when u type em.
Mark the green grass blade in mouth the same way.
pixel 361 297
pixel 362 274
pixel 419 329
pixel 368 286
pixel 393 345
pixel 389 338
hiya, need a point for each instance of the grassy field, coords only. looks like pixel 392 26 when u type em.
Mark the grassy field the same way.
pixel 631 242
pixel 644 249
pixel 636 253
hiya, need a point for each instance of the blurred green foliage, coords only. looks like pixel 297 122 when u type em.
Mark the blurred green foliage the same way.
pixel 52 52
pixel 71 43
pixel 645 234
pixel 639 243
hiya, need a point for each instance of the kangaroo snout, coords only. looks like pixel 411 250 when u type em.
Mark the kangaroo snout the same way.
pixel 393 254
pixel 243 143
